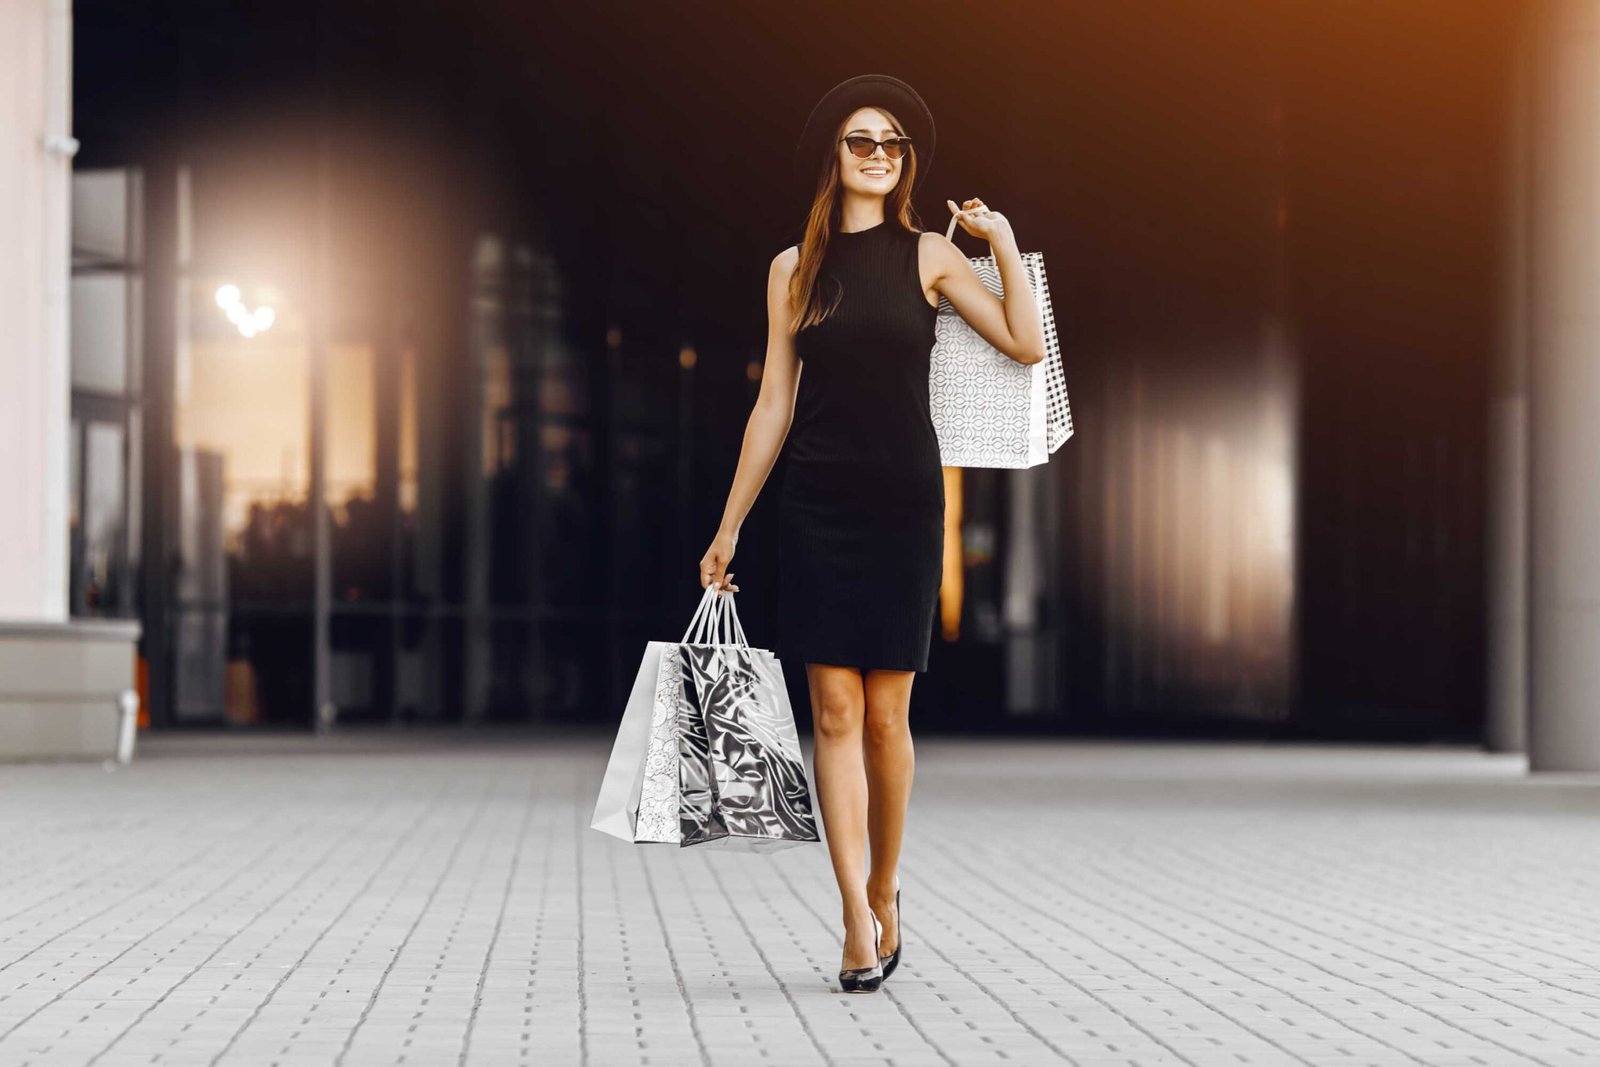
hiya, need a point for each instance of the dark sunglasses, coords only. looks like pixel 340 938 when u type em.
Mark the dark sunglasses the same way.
pixel 863 146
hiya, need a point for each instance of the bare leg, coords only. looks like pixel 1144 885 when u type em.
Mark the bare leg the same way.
pixel 890 763
pixel 838 708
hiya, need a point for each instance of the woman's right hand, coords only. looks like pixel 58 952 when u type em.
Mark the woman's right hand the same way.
pixel 714 564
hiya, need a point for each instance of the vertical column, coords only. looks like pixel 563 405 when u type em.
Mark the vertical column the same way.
pixel 35 184
pixel 1506 548
pixel 1564 387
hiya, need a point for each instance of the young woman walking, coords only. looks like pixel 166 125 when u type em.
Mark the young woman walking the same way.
pixel 861 541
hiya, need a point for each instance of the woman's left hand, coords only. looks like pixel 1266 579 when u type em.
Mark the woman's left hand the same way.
pixel 978 219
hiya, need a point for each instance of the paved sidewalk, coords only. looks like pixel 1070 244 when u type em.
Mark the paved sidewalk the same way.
pixel 372 900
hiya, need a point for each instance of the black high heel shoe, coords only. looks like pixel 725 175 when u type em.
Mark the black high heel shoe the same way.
pixel 892 960
pixel 864 979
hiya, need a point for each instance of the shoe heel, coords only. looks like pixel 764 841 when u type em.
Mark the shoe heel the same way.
pixel 864 979
pixel 892 960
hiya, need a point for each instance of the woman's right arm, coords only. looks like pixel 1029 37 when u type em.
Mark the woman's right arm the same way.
pixel 768 424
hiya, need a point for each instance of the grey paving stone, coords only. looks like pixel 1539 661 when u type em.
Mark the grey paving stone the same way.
pixel 412 899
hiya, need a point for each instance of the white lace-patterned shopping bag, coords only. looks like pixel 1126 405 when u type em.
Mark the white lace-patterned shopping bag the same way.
pixel 639 793
pixel 658 793
pixel 988 409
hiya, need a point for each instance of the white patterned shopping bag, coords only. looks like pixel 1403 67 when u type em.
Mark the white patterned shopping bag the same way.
pixel 658 794
pixel 617 807
pixel 988 409
pixel 639 792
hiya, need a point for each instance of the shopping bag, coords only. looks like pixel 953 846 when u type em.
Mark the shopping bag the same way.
pixel 616 808
pixel 742 783
pixel 658 793
pixel 734 779
pixel 988 409
pixel 638 798
pixel 665 780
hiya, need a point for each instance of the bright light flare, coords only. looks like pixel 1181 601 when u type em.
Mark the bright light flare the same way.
pixel 249 322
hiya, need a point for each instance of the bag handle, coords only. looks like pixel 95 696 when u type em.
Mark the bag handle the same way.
pixel 726 629
pixel 1033 273
pixel 715 621
pixel 698 619
pixel 736 636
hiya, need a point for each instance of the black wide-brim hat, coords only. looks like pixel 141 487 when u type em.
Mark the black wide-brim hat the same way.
pixel 864 90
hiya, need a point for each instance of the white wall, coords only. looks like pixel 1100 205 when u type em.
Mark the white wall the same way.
pixel 35 99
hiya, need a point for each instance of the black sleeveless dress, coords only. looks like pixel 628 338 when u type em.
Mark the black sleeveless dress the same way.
pixel 861 514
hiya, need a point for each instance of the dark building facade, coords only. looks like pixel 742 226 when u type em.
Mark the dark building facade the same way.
pixel 440 326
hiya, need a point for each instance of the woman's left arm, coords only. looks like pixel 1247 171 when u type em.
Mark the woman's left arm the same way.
pixel 1012 325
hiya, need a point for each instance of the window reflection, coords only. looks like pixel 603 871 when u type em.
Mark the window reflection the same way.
pixel 360 524
pixel 467 520
pixel 104 529
pixel 105 309
pixel 245 398
pixel 241 429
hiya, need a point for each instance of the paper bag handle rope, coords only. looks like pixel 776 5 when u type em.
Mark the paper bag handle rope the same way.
pixel 715 618
pixel 697 620
pixel 1033 274
pixel 726 622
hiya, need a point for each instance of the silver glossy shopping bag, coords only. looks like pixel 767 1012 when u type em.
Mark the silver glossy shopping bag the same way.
pixel 742 778
pixel 667 781
pixel 988 409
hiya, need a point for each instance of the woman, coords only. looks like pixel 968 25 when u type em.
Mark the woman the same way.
pixel 861 514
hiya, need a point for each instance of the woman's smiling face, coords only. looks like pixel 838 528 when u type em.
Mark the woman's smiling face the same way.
pixel 877 174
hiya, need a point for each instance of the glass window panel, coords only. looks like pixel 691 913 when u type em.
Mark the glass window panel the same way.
pixel 242 394
pixel 135 503
pixel 573 672
pixel 269 666
pixel 564 382
pixel 104 532
pixel 435 548
pixel 569 524
pixel 202 579
pixel 408 432
pixel 200 680
pixel 515 671
pixel 100 330
pixel 352 426
pixel 650 559
pixel 74 514
pixel 428 668
pixel 100 215
pixel 134 333
pixel 362 525
pixel 361 665
pixel 241 683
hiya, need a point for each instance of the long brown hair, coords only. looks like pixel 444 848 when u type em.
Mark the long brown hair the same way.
pixel 824 218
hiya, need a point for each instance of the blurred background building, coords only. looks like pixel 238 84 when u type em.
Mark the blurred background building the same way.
pixel 389 363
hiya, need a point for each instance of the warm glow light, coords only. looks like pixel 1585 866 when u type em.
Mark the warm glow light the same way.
pixel 249 322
